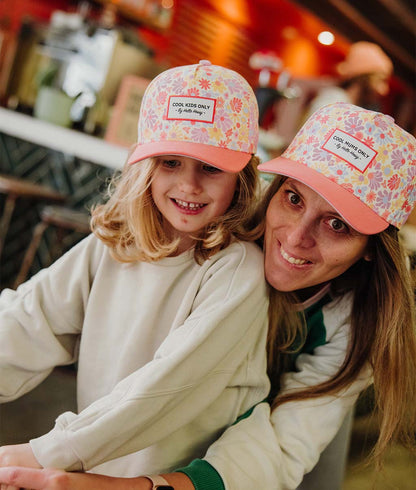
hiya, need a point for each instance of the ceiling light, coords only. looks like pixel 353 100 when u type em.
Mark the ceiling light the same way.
pixel 326 38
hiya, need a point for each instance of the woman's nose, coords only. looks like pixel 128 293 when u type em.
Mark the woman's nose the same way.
pixel 300 234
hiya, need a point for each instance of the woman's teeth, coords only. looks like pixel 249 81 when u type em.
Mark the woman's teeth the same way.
pixel 291 259
pixel 188 205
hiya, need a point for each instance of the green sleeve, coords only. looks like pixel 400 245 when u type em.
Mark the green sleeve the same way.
pixel 203 475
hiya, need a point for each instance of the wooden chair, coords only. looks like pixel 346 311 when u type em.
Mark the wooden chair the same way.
pixel 16 188
pixel 63 219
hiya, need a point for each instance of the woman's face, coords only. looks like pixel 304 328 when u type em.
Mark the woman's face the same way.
pixel 307 243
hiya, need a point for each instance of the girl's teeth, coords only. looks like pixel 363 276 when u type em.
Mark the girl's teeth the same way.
pixel 292 260
pixel 189 205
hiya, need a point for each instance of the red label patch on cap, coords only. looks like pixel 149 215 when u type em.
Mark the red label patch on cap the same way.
pixel 349 149
pixel 189 108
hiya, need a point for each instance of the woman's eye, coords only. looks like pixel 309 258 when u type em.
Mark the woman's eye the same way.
pixel 171 163
pixel 293 197
pixel 209 169
pixel 338 225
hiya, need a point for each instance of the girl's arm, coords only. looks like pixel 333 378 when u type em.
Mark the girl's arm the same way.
pixel 214 359
pixel 18 455
pixel 262 450
pixel 41 321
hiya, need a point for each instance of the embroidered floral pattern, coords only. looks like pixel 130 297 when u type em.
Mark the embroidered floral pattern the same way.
pixel 235 116
pixel 388 184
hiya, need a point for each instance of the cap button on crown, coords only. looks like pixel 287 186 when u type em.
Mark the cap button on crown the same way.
pixel 205 62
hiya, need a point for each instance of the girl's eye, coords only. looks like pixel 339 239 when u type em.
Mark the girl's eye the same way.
pixel 209 169
pixel 338 225
pixel 293 197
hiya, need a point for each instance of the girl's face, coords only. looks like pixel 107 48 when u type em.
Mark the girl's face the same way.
pixel 307 243
pixel 190 194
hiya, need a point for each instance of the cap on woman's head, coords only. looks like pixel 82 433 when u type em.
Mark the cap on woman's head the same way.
pixel 359 161
pixel 202 111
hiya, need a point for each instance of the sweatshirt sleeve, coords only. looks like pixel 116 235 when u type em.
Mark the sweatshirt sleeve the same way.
pixel 192 367
pixel 275 450
pixel 41 320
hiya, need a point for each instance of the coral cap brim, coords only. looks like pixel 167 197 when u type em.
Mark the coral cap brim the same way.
pixel 222 158
pixel 355 212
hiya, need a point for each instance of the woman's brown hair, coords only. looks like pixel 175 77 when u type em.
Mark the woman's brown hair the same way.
pixel 382 334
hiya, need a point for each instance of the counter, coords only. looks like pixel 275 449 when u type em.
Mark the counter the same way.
pixel 68 141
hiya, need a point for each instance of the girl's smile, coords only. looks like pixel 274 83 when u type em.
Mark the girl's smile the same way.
pixel 189 207
pixel 307 243
pixel 190 194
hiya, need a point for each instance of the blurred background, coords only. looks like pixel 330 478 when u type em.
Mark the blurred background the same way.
pixel 87 48
pixel 72 75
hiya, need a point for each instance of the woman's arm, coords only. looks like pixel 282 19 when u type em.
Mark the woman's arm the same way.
pixel 51 479
pixel 275 450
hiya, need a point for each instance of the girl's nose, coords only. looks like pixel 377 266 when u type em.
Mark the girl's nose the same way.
pixel 300 234
pixel 189 181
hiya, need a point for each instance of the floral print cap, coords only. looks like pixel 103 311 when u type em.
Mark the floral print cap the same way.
pixel 360 161
pixel 203 111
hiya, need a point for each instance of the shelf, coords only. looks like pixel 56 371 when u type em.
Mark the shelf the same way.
pixel 80 145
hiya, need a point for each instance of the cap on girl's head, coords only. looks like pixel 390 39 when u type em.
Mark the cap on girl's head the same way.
pixel 360 161
pixel 202 111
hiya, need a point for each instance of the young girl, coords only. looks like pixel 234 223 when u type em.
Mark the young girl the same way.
pixel 164 306
pixel 341 312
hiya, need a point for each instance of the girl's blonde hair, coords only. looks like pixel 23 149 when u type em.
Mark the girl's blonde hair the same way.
pixel 382 333
pixel 130 224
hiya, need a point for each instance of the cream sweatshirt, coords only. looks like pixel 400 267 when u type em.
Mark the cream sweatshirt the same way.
pixel 169 353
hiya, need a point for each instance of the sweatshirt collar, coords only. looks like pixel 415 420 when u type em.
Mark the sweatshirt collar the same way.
pixel 313 299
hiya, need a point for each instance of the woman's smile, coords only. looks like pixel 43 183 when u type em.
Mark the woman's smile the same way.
pixel 306 242
pixel 291 259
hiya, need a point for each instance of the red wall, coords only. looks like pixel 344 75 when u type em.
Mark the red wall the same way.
pixel 12 11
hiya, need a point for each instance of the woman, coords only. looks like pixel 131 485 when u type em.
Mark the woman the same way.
pixel 364 79
pixel 341 315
